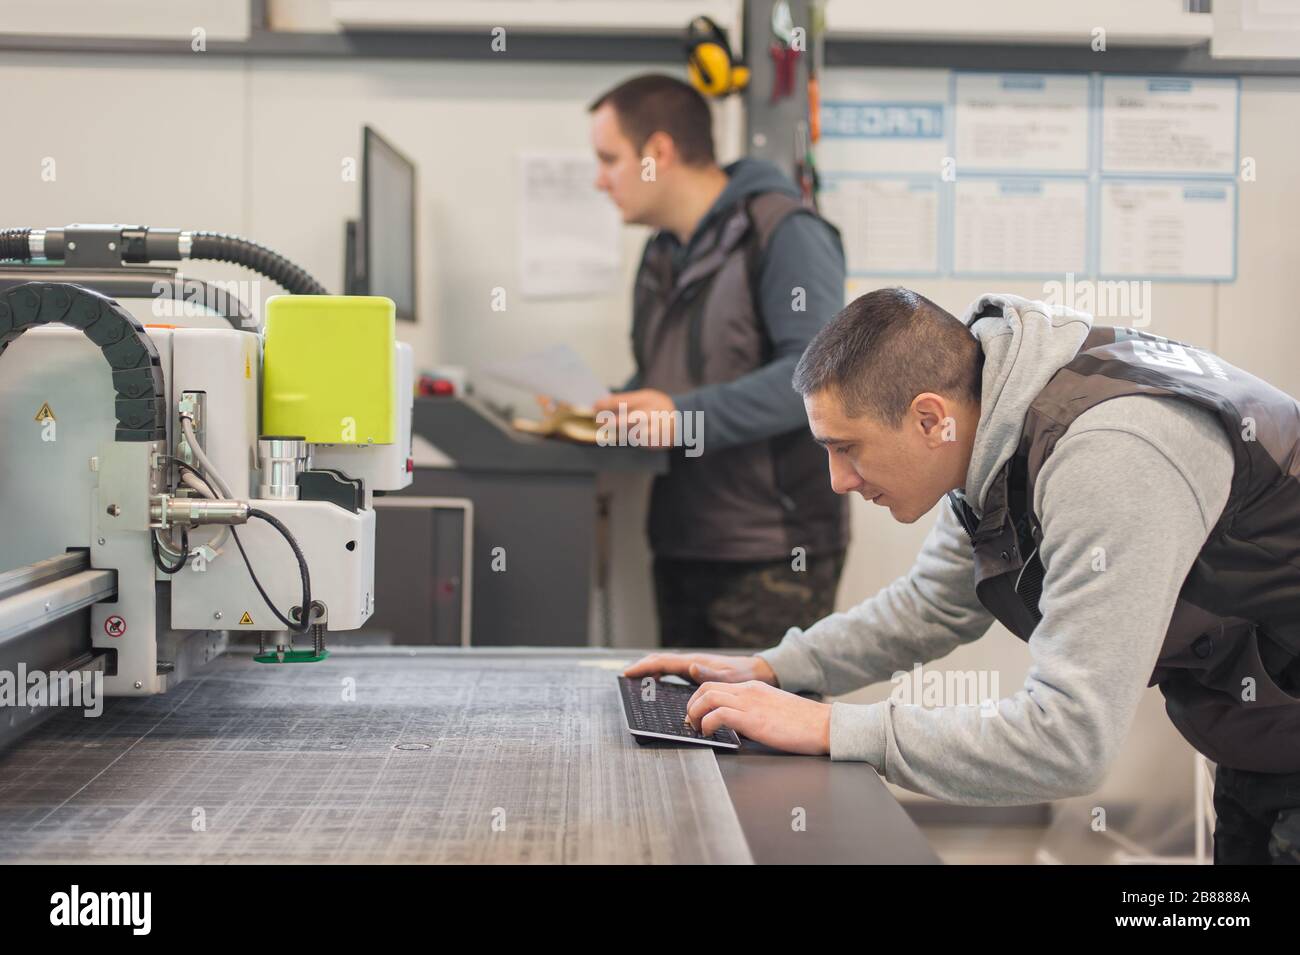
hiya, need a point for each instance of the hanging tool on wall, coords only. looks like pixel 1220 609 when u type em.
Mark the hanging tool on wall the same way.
pixel 808 132
pixel 805 173
pixel 784 52
pixel 816 33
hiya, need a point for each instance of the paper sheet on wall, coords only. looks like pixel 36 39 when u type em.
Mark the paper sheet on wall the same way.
pixel 1021 225
pixel 889 225
pixel 881 152
pixel 569 240
pixel 1021 121
pixel 1169 125
pixel 1168 229
pixel 883 121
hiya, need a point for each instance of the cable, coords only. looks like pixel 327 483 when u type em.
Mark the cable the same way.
pixel 165 545
pixel 191 477
pixel 168 547
pixel 307 616
pixel 210 474
pixel 179 462
pixel 185 553
pixel 187 427
pixel 194 480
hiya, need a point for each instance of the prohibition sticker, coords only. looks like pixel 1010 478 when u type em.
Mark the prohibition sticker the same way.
pixel 115 626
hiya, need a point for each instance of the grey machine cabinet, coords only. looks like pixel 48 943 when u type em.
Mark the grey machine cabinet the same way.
pixel 534 507
pixel 423 571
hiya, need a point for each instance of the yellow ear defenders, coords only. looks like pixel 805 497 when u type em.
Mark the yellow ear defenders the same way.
pixel 709 62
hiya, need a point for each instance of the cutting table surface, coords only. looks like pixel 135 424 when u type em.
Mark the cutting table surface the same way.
pixel 428 755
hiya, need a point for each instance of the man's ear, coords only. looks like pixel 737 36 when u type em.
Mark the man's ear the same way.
pixel 933 418
pixel 661 148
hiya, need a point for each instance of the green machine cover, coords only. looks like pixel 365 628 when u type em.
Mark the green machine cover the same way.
pixel 328 369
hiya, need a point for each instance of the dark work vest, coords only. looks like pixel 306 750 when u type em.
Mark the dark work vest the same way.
pixel 704 326
pixel 1229 667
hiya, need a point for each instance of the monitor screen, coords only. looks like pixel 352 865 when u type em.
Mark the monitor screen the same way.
pixel 388 223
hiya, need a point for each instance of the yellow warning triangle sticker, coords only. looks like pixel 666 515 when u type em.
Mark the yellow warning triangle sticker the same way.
pixel 248 368
pixel 45 413
pixel 246 620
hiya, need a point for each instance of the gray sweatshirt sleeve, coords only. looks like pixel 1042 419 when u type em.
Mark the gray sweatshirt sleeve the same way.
pixel 802 253
pixel 1126 502
pixel 919 617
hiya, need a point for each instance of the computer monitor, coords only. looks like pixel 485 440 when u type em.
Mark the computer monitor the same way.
pixel 381 248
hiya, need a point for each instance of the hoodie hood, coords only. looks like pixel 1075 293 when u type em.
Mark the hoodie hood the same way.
pixel 1025 343
pixel 748 176
pixel 745 177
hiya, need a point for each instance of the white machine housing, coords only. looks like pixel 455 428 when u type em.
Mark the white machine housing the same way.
pixel 65 483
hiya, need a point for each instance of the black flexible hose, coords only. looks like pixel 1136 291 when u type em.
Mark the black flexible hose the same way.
pixel 162 244
pixel 223 247
pixel 14 244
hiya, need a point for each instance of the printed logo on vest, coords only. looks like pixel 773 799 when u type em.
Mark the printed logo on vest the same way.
pixel 1166 355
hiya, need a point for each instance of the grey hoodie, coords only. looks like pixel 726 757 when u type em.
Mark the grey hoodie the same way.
pixel 1126 502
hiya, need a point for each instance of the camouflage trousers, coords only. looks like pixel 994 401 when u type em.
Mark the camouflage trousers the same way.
pixel 1258 818
pixel 741 605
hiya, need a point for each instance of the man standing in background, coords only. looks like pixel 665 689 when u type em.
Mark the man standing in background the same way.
pixel 748 537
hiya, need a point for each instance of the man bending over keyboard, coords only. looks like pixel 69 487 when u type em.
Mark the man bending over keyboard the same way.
pixel 1127 505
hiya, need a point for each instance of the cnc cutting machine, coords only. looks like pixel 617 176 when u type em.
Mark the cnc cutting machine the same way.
pixel 172 471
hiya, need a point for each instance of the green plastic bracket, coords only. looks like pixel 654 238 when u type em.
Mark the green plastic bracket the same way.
pixel 293 656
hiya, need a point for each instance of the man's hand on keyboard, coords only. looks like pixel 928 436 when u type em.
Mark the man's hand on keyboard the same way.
pixel 763 713
pixel 703 667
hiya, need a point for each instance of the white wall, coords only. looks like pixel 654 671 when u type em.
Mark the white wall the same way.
pixel 464 127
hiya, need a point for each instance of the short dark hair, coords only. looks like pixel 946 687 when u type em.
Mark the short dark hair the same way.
pixel 885 348
pixel 654 102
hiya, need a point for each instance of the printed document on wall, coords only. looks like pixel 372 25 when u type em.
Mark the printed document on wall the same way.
pixel 1023 122
pixel 1020 226
pixel 889 224
pixel 1169 125
pixel 1168 229
pixel 569 232
pixel 881 155
pixel 884 121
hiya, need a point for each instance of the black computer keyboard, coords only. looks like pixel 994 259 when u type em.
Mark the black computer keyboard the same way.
pixel 663 715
